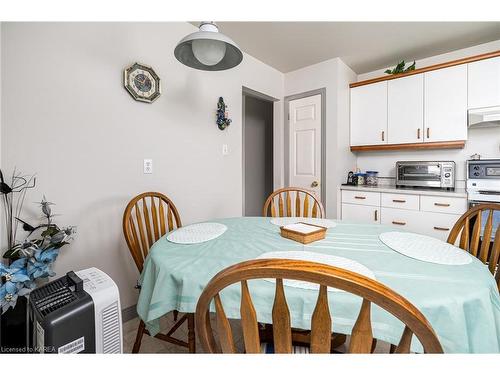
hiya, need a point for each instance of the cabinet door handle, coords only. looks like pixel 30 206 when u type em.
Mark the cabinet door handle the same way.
pixel 428 132
pixel 376 215
pixel 359 197
pixel 383 135
pixel 399 201
pixel 399 223
pixel 418 133
pixel 442 228
pixel 442 204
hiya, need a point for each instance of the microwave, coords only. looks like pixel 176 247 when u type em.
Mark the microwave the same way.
pixel 430 174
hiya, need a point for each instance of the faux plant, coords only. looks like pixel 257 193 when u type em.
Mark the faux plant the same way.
pixel 32 259
pixel 400 68
pixel 13 199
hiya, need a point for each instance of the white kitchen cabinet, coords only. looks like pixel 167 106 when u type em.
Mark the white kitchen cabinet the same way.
pixel 369 114
pixel 431 215
pixel 400 219
pixel 401 201
pixel 484 83
pixel 447 205
pixel 436 225
pixel 360 213
pixel 445 104
pixel 405 110
pixel 366 198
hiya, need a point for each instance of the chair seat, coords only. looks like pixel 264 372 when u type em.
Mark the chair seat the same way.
pixel 268 348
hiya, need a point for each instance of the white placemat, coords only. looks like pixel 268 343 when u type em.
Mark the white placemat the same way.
pixel 330 260
pixel 425 248
pixel 281 221
pixel 197 233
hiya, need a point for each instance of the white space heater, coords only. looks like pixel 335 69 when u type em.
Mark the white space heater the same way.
pixel 77 313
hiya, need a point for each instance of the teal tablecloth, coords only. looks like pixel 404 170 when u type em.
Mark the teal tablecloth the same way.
pixel 462 303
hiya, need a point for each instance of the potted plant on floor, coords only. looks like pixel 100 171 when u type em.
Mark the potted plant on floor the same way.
pixel 27 263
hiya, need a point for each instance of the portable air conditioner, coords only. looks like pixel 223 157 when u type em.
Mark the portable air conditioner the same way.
pixel 77 313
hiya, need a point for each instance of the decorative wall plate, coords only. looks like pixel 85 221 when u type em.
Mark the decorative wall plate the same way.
pixel 142 82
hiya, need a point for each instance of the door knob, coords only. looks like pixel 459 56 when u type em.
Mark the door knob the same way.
pixel 314 184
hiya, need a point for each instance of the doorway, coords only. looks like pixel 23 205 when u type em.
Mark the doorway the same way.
pixel 305 148
pixel 257 151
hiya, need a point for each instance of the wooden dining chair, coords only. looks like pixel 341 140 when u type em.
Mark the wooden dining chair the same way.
pixel 293 201
pixel 469 227
pixel 321 323
pixel 148 217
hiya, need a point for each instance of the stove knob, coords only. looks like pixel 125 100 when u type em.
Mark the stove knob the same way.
pixel 447 175
pixel 476 173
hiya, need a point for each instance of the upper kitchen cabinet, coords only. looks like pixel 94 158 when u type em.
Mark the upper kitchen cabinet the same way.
pixel 426 108
pixel 445 103
pixel 369 114
pixel 405 118
pixel 484 83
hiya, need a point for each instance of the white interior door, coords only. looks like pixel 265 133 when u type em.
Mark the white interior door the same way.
pixel 305 143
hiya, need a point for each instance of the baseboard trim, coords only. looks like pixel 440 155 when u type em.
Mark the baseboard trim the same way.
pixel 129 313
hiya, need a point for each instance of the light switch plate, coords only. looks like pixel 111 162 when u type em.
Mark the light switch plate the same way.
pixel 225 149
pixel 148 166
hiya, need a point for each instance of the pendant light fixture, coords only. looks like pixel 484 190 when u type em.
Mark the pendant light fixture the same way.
pixel 208 49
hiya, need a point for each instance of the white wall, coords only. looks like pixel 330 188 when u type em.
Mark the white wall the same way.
pixel 67 118
pixel 335 76
pixel 483 141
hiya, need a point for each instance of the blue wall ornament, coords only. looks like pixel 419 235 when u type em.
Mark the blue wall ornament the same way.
pixel 222 120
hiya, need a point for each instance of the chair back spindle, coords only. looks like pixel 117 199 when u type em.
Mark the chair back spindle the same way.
pixel 479 243
pixel 282 329
pixel 298 202
pixel 148 217
pixel 325 276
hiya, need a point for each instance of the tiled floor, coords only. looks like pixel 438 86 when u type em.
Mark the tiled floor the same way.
pixel 152 345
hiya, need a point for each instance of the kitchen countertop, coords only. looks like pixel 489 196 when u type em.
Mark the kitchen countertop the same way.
pixel 457 193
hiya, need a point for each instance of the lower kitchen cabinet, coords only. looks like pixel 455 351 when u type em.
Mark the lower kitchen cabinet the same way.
pixel 437 224
pixel 445 205
pixel 400 219
pixel 433 224
pixel 424 214
pixel 361 213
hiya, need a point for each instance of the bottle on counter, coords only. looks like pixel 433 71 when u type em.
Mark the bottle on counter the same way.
pixel 372 178
pixel 361 178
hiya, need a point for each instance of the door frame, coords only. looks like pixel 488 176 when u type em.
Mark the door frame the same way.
pixel 246 91
pixel 287 99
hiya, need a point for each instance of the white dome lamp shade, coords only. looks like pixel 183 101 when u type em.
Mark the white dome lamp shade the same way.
pixel 208 49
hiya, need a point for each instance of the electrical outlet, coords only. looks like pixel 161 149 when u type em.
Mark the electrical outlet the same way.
pixel 225 149
pixel 148 166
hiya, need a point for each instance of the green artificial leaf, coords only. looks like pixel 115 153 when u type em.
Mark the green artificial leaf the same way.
pixel 400 68
pixel 50 231
pixel 11 253
pixel 411 67
pixel 26 227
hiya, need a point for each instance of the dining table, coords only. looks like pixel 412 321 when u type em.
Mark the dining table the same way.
pixel 461 302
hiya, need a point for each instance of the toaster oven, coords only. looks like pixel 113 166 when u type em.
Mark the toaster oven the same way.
pixel 430 174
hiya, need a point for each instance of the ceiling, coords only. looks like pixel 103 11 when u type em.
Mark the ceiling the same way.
pixel 364 46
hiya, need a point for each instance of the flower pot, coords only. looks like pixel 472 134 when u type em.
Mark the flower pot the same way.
pixel 13 328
